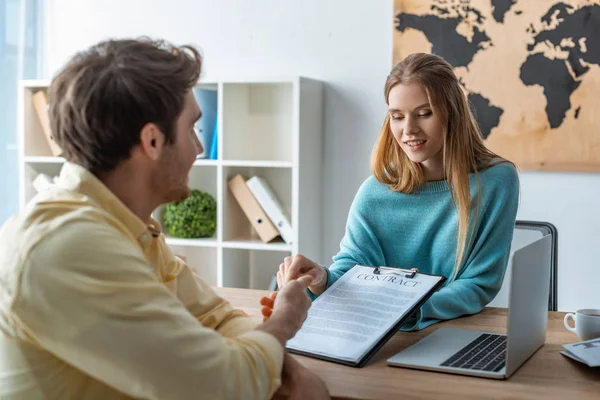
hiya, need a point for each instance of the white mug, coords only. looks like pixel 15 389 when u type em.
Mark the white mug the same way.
pixel 587 323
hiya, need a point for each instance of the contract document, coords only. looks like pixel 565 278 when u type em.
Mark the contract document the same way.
pixel 361 311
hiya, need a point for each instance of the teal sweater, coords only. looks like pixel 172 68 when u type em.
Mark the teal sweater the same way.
pixel 419 230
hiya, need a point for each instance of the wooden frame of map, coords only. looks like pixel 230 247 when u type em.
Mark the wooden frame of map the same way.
pixel 530 69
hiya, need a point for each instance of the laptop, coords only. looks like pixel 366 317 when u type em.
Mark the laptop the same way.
pixel 488 354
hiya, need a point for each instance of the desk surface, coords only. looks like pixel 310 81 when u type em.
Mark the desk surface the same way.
pixel 547 374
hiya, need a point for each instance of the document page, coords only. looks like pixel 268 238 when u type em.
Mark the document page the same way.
pixel 354 314
pixel 587 352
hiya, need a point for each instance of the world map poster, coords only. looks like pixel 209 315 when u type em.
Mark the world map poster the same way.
pixel 530 69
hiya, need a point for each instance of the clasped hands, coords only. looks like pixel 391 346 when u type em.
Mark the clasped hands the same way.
pixel 297 381
pixel 293 268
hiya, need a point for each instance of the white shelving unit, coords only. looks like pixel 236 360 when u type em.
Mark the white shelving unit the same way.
pixel 271 128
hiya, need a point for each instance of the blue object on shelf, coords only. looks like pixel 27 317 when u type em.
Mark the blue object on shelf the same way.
pixel 214 148
pixel 207 100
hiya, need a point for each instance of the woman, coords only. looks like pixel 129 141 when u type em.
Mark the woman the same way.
pixel 438 199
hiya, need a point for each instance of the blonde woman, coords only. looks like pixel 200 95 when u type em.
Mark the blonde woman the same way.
pixel 438 199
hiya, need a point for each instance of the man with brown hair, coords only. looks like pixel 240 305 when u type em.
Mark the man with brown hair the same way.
pixel 93 304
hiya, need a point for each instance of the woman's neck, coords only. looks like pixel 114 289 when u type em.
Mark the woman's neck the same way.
pixel 433 169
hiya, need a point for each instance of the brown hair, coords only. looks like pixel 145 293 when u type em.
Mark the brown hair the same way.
pixel 464 151
pixel 105 95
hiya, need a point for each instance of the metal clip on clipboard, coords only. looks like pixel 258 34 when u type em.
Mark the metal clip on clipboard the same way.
pixel 408 273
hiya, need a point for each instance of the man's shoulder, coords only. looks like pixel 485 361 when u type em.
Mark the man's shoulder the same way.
pixel 48 213
pixel 66 247
pixel 46 230
pixel 63 220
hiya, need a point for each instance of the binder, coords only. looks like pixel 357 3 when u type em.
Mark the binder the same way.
pixel 250 206
pixel 40 103
pixel 207 100
pixel 269 203
pixel 214 144
pixel 349 296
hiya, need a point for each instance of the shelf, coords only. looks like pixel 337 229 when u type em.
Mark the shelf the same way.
pixel 31 170
pixel 235 223
pixel 43 160
pixel 270 128
pixel 246 244
pixel 253 269
pixel 205 180
pixel 35 83
pixel 208 242
pixel 258 121
pixel 60 160
pixel 202 162
pixel 254 244
pixel 198 163
pixel 258 163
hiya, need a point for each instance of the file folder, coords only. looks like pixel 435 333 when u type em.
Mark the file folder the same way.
pixel 250 206
pixel 270 204
pixel 40 103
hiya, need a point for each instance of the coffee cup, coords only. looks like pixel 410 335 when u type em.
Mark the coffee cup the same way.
pixel 587 323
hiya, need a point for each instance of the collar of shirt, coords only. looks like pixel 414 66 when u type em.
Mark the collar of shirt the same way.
pixel 77 179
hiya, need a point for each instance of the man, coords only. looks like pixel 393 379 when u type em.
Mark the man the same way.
pixel 93 304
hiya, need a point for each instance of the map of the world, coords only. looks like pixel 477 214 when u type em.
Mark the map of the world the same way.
pixel 530 69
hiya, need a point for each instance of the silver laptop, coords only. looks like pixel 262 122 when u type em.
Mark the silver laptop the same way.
pixel 487 354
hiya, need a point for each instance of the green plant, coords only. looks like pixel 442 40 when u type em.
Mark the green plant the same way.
pixel 194 217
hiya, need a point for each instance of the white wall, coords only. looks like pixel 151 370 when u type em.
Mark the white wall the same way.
pixel 348 44
pixel 570 202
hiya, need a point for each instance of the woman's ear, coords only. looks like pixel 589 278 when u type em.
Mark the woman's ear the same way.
pixel 152 141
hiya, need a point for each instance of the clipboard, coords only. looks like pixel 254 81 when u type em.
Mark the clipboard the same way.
pixel 412 273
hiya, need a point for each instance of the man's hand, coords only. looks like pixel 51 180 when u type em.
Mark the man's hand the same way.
pixel 290 308
pixel 298 383
pixel 298 266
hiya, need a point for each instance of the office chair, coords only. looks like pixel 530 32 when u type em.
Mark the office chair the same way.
pixel 527 232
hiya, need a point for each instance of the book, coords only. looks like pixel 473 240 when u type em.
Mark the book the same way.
pixel 40 103
pixel 586 352
pixel 214 144
pixel 208 102
pixel 272 207
pixel 249 205
pixel 360 312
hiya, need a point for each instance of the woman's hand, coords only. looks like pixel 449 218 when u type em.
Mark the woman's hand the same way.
pixel 297 266
pixel 267 304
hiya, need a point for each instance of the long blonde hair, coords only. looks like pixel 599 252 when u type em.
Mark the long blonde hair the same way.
pixel 464 151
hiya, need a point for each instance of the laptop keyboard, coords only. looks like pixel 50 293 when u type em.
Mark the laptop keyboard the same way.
pixel 486 353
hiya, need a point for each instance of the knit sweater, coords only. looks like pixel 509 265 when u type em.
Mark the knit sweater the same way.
pixel 387 228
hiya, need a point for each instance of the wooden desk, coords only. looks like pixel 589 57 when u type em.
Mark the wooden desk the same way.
pixel 546 375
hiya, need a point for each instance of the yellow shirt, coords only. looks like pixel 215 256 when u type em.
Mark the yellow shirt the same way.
pixel 94 306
